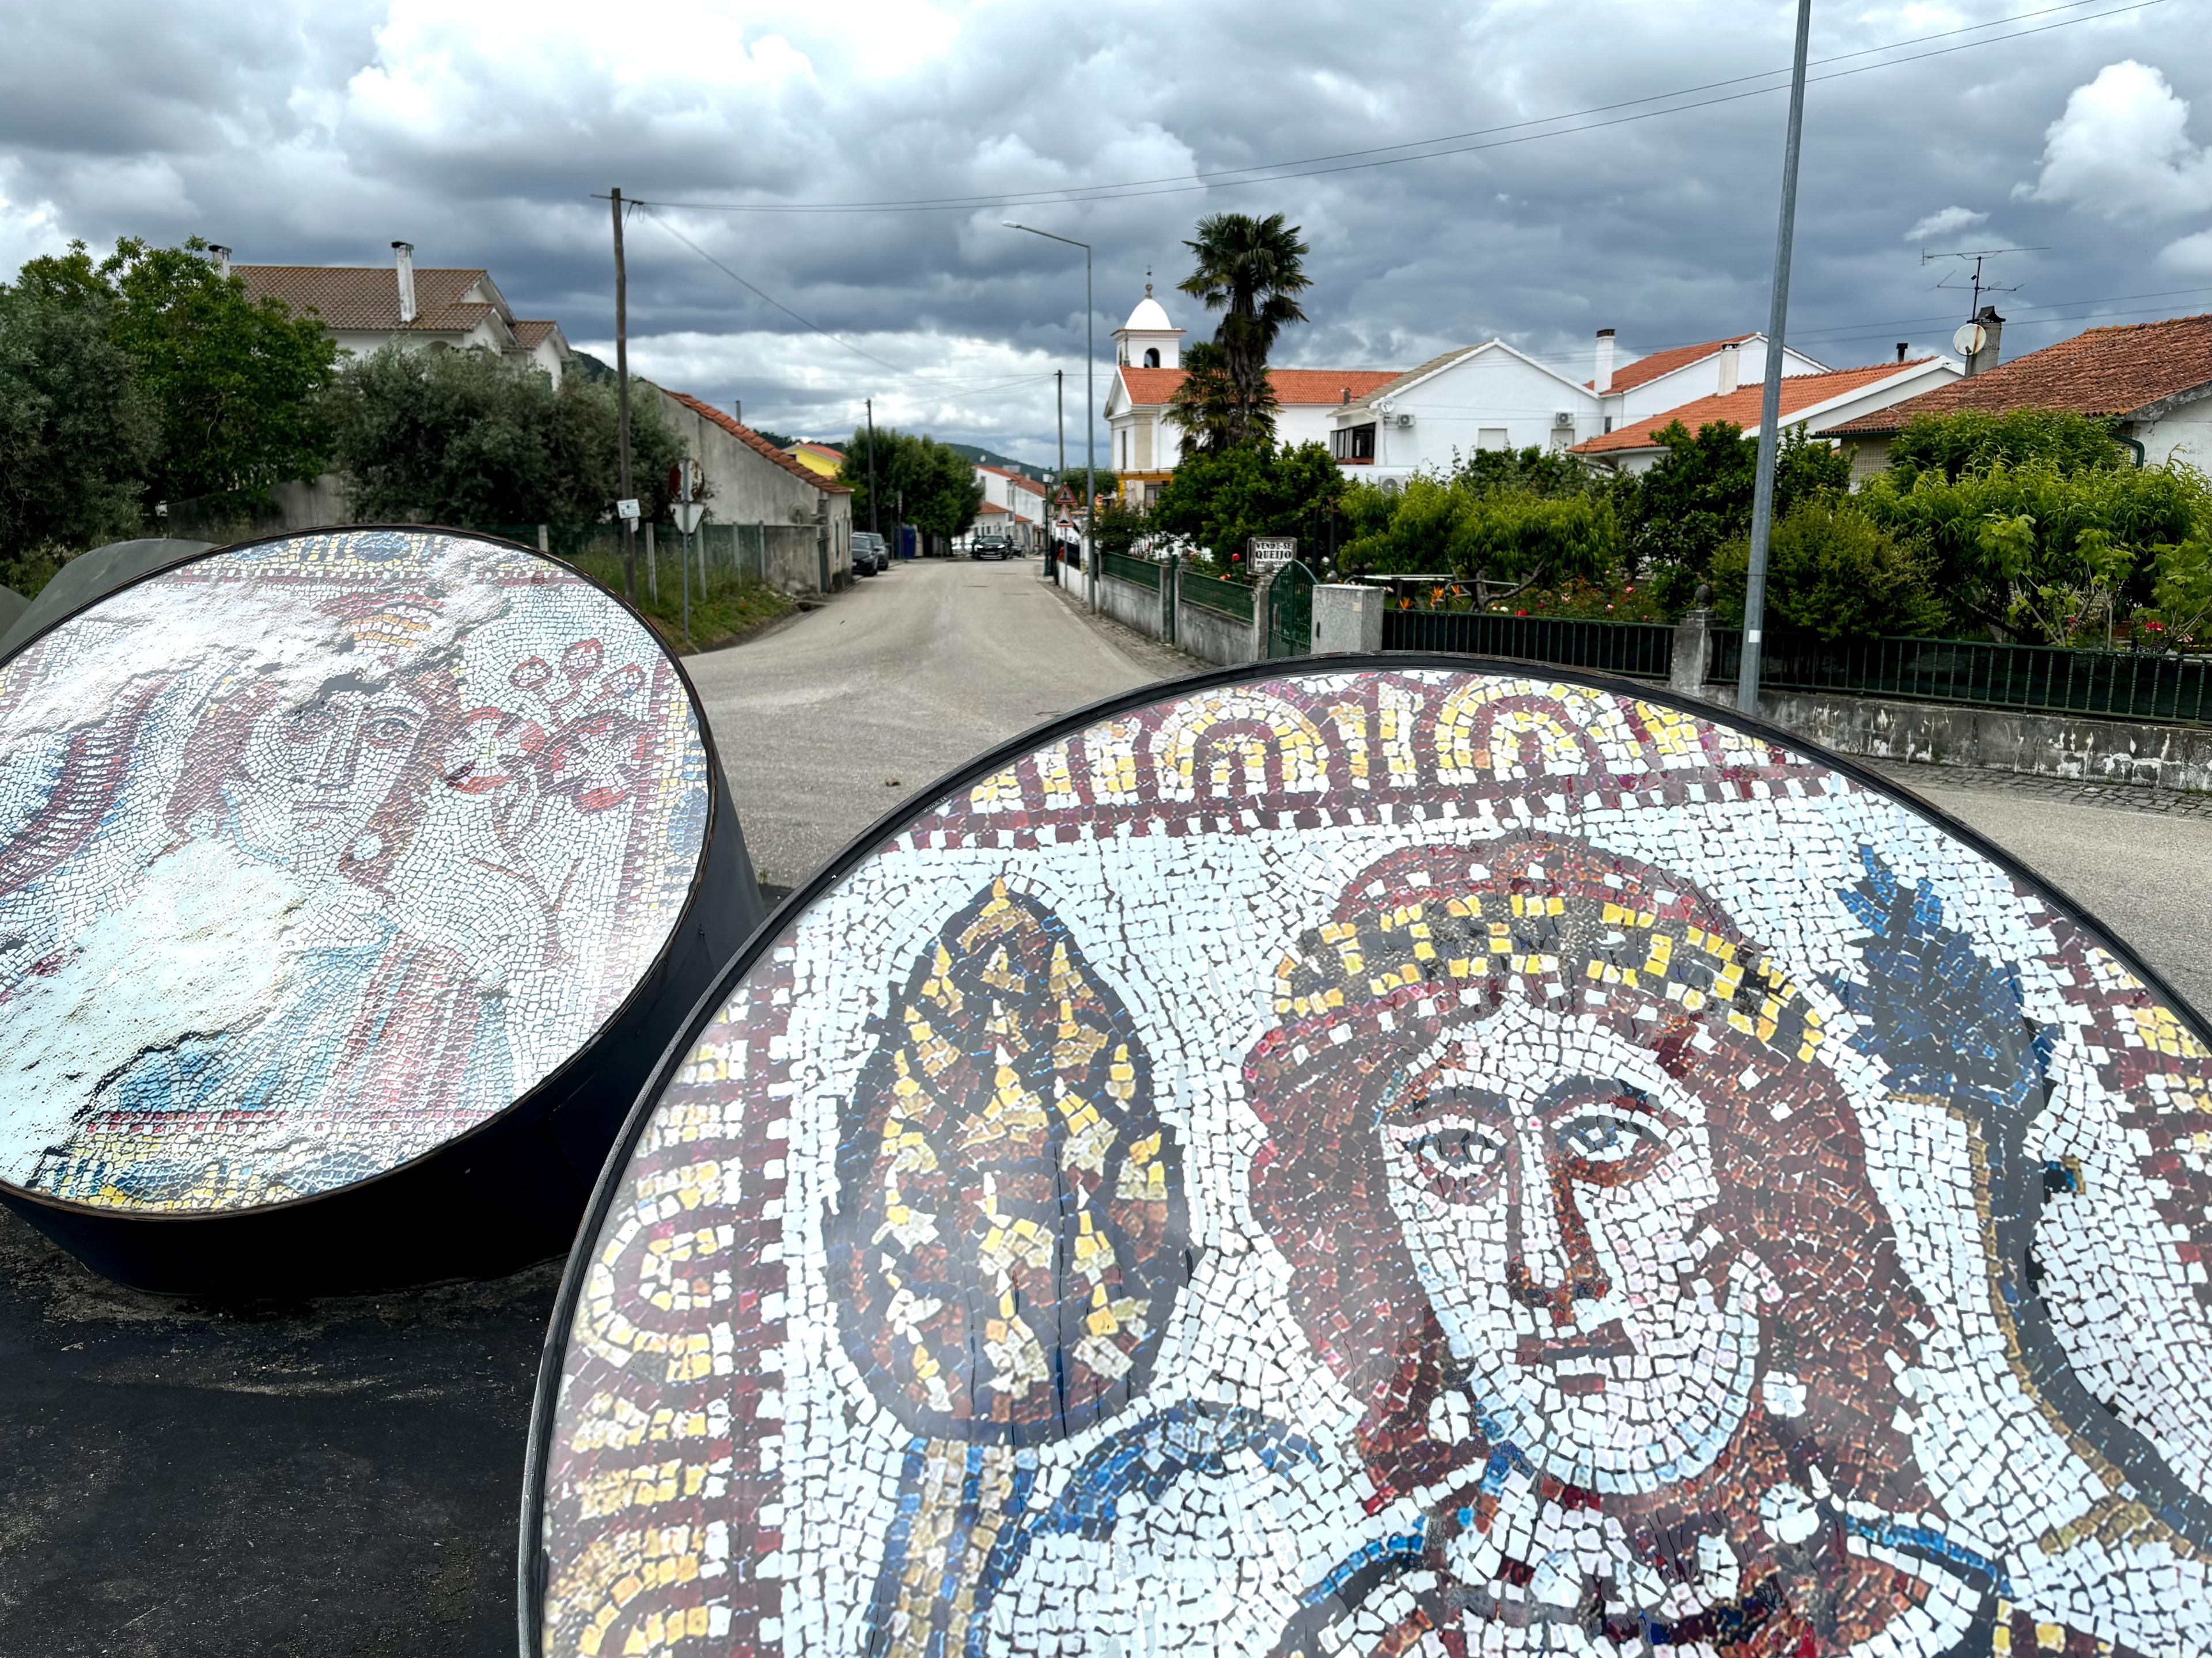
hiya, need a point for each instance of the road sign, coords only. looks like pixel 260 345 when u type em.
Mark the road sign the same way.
pixel 1065 498
pixel 1265 553
pixel 626 509
pixel 688 514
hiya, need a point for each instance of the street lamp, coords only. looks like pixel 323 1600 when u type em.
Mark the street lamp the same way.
pixel 1089 414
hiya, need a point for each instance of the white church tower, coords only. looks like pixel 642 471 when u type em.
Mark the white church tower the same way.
pixel 1148 339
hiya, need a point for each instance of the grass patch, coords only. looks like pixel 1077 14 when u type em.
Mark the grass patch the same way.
pixel 731 607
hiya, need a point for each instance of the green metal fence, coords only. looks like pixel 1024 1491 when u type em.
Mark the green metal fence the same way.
pixel 2116 684
pixel 1641 648
pixel 1140 571
pixel 2123 685
pixel 1231 598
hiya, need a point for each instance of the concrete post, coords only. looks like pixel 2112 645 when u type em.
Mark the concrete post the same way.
pixel 652 566
pixel 1694 656
pixel 1170 598
pixel 1261 589
pixel 1347 617
pixel 544 538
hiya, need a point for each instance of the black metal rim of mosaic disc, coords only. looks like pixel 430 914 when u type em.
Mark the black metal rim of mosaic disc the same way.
pixel 530 1162
pixel 530 1560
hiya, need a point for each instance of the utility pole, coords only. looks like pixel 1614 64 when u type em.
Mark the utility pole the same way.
pixel 874 528
pixel 1059 478
pixel 1770 402
pixel 621 400
pixel 1090 417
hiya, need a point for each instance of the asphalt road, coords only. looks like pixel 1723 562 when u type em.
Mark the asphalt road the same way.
pixel 836 717
pixel 342 1478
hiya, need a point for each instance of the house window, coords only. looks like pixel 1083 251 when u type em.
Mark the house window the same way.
pixel 1492 437
pixel 1152 358
pixel 1352 442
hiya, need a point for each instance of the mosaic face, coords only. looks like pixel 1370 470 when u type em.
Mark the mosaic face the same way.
pixel 318 853
pixel 1401 1162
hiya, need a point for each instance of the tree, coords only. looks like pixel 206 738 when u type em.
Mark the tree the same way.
pixel 1970 441
pixel 934 487
pixel 1218 503
pixel 1211 408
pixel 1698 497
pixel 1833 571
pixel 1502 542
pixel 467 438
pixel 235 383
pixel 76 436
pixel 1251 269
pixel 2036 551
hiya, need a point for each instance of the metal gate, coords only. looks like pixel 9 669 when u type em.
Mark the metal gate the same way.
pixel 1289 612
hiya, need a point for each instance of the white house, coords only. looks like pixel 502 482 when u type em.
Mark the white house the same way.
pixel 1014 506
pixel 1814 402
pixel 1144 442
pixel 1476 396
pixel 369 306
pixel 2152 379
pixel 1678 375
pixel 1492 396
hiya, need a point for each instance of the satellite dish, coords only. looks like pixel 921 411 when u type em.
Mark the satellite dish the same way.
pixel 1294 1158
pixel 351 882
pixel 1970 339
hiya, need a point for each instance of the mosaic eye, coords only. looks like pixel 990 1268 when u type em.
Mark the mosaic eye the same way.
pixel 389 731
pixel 1606 1134
pixel 1458 1152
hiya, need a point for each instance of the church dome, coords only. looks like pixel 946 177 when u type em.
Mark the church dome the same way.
pixel 1149 316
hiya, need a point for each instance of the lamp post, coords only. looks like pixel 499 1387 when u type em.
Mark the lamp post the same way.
pixel 1769 401
pixel 1090 415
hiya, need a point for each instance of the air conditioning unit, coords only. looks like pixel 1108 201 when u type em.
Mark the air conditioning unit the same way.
pixel 1564 417
pixel 1405 421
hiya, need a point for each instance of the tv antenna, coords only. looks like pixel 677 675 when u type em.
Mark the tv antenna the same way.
pixel 1974 278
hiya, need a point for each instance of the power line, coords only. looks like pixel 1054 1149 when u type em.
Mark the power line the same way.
pixel 1351 160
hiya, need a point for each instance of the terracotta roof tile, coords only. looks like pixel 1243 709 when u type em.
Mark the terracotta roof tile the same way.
pixel 1014 478
pixel 367 296
pixel 1742 406
pixel 1149 386
pixel 2100 371
pixel 754 440
pixel 1630 376
pixel 533 330
pixel 823 450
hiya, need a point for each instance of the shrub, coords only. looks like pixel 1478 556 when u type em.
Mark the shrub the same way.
pixel 1971 440
pixel 1833 571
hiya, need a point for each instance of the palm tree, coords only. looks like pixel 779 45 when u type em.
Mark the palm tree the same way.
pixel 1250 270
pixel 1212 410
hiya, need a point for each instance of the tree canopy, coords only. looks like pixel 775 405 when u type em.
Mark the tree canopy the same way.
pixel 77 435
pixel 467 438
pixel 1218 502
pixel 1970 439
pixel 1251 269
pixel 918 481
pixel 235 383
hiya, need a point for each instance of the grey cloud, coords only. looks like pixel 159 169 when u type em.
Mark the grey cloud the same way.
pixel 293 135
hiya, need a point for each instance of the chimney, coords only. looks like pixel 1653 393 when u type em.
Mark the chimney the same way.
pixel 402 259
pixel 738 411
pixel 1602 380
pixel 1983 360
pixel 1346 397
pixel 1731 367
pixel 219 256
pixel 1902 347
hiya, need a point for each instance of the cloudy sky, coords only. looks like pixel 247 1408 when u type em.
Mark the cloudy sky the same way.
pixel 317 132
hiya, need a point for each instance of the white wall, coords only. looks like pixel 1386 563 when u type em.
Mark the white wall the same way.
pixel 746 487
pixel 1492 392
pixel 2186 436
pixel 1698 380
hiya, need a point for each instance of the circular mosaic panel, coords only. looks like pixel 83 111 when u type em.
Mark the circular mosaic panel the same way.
pixel 1402 1159
pixel 318 853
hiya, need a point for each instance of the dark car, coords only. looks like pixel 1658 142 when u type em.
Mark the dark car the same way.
pixel 990 546
pixel 869 556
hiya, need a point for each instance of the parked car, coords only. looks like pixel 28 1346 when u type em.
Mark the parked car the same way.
pixel 988 546
pixel 870 557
